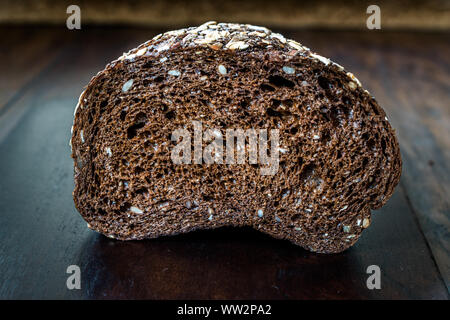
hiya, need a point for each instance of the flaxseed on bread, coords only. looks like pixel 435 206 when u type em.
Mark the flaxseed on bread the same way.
pixel 338 155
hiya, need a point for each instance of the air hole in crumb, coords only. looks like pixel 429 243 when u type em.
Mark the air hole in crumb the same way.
pixel 274 113
pixel 280 81
pixel 365 136
pixel 374 108
pixel 344 110
pixel 326 136
pixel 323 83
pixel 288 103
pixel 346 100
pixel 365 162
pixel 266 87
pixel 276 103
pixel 383 146
pixel 334 116
pixel 125 207
pixel 307 171
pixel 141 191
pixel 140 117
pixel 319 96
pixel 148 64
pixel 244 103
pixel 158 79
pixel 132 130
pixel 95 132
pixel 207 197
pixel 138 170
pixel 103 105
pixel 170 115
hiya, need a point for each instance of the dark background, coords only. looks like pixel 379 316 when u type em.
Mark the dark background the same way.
pixel 44 67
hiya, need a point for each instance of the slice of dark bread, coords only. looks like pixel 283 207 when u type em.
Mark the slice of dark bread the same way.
pixel 339 157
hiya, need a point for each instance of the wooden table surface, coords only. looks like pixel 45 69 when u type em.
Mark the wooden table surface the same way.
pixel 43 70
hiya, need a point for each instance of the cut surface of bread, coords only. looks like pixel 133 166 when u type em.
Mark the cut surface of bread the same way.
pixel 338 155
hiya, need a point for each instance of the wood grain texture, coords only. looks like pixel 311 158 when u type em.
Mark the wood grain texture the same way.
pixel 332 14
pixel 27 51
pixel 41 233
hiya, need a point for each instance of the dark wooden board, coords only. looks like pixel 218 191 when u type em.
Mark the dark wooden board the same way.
pixel 41 233
pixel 26 51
